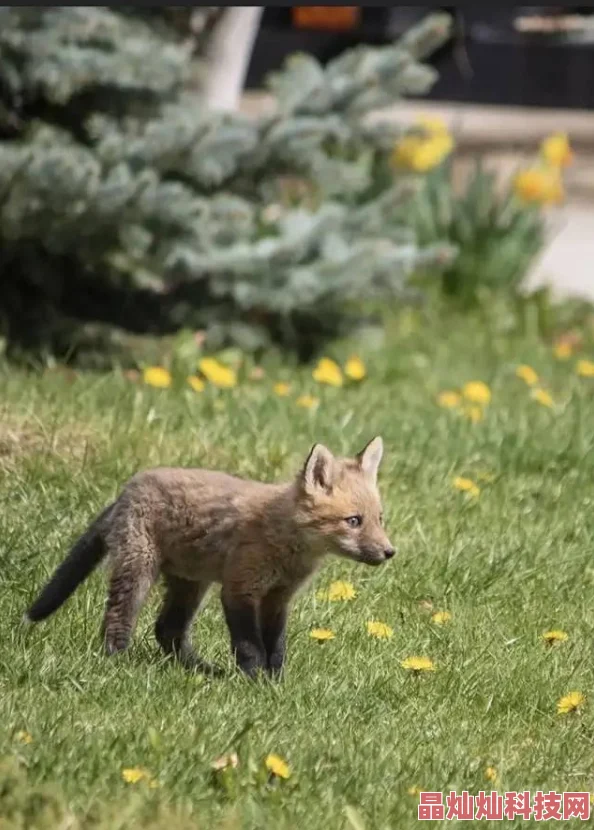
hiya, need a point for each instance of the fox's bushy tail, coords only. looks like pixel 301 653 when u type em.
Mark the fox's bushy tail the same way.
pixel 82 560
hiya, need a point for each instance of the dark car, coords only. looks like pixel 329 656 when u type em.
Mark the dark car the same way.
pixel 528 56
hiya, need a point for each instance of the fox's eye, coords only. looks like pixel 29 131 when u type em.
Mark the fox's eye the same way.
pixel 354 521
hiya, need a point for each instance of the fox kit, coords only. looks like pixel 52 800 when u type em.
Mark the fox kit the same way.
pixel 198 527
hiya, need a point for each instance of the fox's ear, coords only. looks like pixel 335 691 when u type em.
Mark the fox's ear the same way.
pixel 319 468
pixel 370 457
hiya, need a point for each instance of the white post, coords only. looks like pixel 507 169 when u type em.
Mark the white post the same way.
pixel 228 56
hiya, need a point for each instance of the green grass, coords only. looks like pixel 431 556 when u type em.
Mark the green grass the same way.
pixel 357 730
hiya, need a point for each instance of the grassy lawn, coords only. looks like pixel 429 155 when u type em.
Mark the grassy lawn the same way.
pixel 357 729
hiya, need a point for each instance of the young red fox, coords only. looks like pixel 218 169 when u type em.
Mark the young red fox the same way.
pixel 259 541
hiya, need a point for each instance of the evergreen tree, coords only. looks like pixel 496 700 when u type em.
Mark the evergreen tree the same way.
pixel 127 205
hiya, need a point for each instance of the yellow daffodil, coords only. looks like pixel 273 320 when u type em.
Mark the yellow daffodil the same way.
pixel 466 485
pixel 282 389
pixel 338 591
pixel 328 372
pixel 476 391
pixel 527 374
pixel 157 376
pixel 196 383
pixel 418 664
pixel 542 397
pixel 422 153
pixel 570 703
pixel 539 185
pixel 449 400
pixel 585 368
pixel 277 766
pixel 379 630
pixel 441 617
pixel 321 634
pixel 556 150
pixel 217 374
pixel 307 402
pixel 554 636
pixel 355 368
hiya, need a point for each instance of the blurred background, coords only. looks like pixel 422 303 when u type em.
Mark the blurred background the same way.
pixel 269 178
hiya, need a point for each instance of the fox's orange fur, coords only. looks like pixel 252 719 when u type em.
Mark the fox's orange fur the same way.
pixel 259 541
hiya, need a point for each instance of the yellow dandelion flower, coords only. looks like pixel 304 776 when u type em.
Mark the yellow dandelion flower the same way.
pixel 542 397
pixel 449 400
pixel 474 414
pixel 585 368
pixel 157 376
pixel 329 372
pixel 418 664
pixel 230 761
pixel 196 383
pixel 466 485
pixel 307 402
pixel 277 766
pixel 570 703
pixel 355 368
pixel 321 634
pixel 562 350
pixel 539 186
pixel 556 150
pixel 132 775
pixel 527 374
pixel 476 391
pixel 217 374
pixel 441 617
pixel 24 737
pixel 338 591
pixel 491 774
pixel 554 636
pixel 282 389
pixel 379 630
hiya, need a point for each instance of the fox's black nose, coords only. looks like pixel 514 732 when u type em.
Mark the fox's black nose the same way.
pixel 389 553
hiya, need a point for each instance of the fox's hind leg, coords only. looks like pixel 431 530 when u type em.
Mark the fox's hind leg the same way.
pixel 181 603
pixel 135 569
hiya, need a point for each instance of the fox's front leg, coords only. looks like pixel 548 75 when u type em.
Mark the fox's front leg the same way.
pixel 241 614
pixel 274 614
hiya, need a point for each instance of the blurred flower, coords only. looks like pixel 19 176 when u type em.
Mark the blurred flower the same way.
pixel 132 775
pixel 562 350
pixel 230 761
pixel 555 636
pixel 217 374
pixel 379 630
pixel 441 617
pixel 542 397
pixel 449 400
pixel 157 376
pixel 307 401
pixel 282 389
pixel 327 371
pixel 338 591
pixel 539 185
pixel 556 150
pixel 474 414
pixel 355 368
pixel 196 383
pixel 585 368
pixel 257 373
pixel 491 774
pixel 466 485
pixel 422 153
pixel 476 391
pixel 527 374
pixel 24 737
